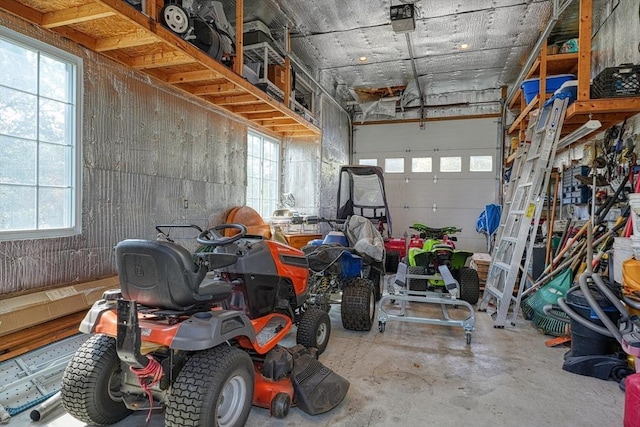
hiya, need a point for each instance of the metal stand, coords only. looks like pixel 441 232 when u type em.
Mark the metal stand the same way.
pixel 405 295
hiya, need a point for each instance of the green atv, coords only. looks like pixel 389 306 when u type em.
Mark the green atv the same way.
pixel 439 249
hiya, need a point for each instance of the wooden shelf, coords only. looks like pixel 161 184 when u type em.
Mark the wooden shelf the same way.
pixel 561 63
pixel 609 111
pixel 115 29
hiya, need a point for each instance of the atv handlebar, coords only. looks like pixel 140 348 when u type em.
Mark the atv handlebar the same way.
pixel 211 237
pixel 435 233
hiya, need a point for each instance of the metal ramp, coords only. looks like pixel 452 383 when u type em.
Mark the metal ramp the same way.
pixel 31 378
pixel 399 293
pixel 521 214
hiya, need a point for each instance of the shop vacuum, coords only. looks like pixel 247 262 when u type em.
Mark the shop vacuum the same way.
pixel 603 336
pixel 595 352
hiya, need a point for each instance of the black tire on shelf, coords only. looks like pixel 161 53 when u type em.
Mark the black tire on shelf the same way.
pixel 392 261
pixel 416 284
pixel 377 280
pixel 469 284
pixel 358 305
pixel 91 383
pixel 314 329
pixel 213 389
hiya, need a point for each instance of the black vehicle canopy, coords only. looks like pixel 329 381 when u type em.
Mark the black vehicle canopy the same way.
pixel 361 192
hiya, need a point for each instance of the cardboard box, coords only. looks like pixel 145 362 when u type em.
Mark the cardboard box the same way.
pixel 276 74
pixel 28 310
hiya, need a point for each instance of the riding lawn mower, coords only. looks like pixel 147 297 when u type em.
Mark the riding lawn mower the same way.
pixel 198 334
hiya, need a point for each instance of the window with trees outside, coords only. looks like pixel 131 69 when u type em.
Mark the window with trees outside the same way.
pixel 263 170
pixel 40 103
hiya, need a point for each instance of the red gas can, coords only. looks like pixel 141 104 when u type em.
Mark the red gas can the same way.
pixel 632 401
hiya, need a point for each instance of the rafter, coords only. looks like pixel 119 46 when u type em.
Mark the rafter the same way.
pixel 75 15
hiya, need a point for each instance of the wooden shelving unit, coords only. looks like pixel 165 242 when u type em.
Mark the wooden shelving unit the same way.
pixel 115 29
pixel 610 111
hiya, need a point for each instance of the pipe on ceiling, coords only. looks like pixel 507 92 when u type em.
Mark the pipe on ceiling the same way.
pixel 415 76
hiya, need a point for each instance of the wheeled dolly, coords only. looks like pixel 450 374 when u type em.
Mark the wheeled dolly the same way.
pixel 405 295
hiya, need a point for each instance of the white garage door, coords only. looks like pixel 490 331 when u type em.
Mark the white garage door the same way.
pixel 441 176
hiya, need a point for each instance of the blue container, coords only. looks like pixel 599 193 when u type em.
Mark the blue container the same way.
pixel 531 87
pixel 315 242
pixel 336 237
pixel 570 88
pixel 350 265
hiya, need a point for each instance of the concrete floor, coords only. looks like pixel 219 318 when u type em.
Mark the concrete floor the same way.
pixel 426 375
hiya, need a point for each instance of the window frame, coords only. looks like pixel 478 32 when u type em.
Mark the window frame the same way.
pixel 278 168
pixel 75 138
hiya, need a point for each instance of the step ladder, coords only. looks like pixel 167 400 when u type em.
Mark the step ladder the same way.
pixel 522 208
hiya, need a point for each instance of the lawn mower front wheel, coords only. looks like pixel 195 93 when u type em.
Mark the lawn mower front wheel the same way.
pixel 314 329
pixel 213 389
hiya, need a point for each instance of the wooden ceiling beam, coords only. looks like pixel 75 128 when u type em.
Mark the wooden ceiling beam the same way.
pixel 257 108
pixel 75 15
pixel 287 128
pixel 235 100
pixel 195 76
pixel 162 59
pixel 271 115
pixel 137 38
pixel 215 89
pixel 275 123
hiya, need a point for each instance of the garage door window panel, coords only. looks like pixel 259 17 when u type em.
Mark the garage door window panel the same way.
pixel 394 165
pixel 421 164
pixel 450 164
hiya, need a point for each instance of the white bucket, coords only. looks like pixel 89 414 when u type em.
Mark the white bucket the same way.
pixel 622 251
pixel 634 204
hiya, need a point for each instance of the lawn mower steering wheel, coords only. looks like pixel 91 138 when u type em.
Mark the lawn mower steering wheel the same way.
pixel 212 237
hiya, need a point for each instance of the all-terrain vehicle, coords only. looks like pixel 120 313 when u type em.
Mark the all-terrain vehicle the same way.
pixel 197 334
pixel 344 263
pixel 439 249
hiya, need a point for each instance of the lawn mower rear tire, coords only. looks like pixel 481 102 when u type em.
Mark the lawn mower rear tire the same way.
pixel 92 380
pixel 358 305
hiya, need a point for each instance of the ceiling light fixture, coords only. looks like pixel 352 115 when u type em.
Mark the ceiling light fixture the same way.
pixel 464 46
pixel 579 133
pixel 362 59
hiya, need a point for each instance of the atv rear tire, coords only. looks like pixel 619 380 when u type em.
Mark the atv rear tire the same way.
pixel 469 284
pixel 377 280
pixel 416 284
pixel 213 389
pixel 392 261
pixel 358 305
pixel 314 329
pixel 91 383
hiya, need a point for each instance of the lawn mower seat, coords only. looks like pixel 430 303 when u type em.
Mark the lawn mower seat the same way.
pixel 163 274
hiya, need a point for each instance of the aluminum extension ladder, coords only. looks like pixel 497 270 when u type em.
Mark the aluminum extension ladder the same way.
pixel 521 215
